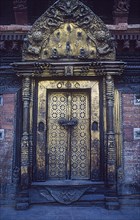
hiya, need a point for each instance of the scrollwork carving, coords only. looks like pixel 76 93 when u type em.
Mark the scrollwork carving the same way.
pixel 46 34
pixel 105 43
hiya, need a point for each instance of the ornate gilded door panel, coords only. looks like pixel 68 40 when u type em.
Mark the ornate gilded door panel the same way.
pixel 57 135
pixel 80 137
pixel 68 135
pixel 68 130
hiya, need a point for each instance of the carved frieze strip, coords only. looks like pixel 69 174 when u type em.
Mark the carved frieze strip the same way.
pixel 128 36
pixel 12 36
pixel 69 68
pixel 116 34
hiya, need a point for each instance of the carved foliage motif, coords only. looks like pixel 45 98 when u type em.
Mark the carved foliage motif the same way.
pixel 55 20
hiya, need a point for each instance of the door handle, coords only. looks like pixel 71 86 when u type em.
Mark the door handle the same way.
pixel 68 123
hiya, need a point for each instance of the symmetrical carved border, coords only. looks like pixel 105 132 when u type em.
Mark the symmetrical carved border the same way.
pixel 50 69
pixel 68 11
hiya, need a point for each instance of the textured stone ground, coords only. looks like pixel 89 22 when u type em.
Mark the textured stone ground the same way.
pixel 38 212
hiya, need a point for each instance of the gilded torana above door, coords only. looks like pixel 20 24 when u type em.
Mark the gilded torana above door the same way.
pixel 69 30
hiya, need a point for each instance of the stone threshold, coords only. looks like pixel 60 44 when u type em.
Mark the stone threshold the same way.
pixel 67 183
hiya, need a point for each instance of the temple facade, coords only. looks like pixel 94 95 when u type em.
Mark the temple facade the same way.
pixel 70 103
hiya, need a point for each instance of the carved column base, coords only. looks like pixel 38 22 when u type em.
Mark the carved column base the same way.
pixel 22 202
pixel 112 203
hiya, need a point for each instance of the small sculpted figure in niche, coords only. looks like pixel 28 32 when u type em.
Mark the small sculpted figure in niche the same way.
pixel 105 45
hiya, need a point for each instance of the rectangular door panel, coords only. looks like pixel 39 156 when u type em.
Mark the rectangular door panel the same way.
pixel 68 146
pixel 71 151
pixel 57 135
pixel 80 137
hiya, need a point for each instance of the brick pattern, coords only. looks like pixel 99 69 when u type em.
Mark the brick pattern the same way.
pixel 131 120
pixel 7 122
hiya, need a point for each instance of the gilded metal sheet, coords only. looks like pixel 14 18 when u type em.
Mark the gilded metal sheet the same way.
pixel 57 135
pixel 61 43
pixel 80 136
pixel 69 29
pixel 77 99
pixel 41 136
pixel 68 147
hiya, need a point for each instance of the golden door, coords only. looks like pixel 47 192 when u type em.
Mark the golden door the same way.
pixel 68 134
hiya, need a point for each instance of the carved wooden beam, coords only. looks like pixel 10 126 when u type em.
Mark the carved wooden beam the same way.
pixel 72 68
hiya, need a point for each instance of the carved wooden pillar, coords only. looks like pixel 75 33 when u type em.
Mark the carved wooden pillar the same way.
pixel 25 135
pixel 112 201
pixel 111 151
pixel 23 198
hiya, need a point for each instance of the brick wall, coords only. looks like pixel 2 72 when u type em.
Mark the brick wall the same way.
pixel 7 122
pixel 131 120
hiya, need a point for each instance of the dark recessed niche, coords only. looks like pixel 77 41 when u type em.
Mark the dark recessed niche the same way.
pixel 1 100
pixel 137 99
pixel 136 132
pixel 1 134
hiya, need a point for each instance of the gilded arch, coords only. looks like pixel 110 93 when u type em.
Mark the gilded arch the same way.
pixel 69 29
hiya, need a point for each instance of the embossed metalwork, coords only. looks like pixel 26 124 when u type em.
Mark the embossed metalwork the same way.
pixel 68 104
pixel 80 138
pixel 68 140
pixel 57 135
pixel 52 34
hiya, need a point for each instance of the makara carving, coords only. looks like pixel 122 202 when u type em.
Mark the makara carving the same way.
pixel 69 29
pixel 65 195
